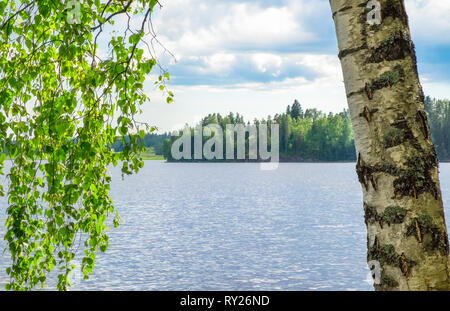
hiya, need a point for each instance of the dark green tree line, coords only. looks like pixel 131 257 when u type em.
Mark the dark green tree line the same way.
pixel 439 117
pixel 312 135
pixel 308 135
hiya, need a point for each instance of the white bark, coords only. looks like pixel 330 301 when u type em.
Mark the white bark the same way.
pixel 397 164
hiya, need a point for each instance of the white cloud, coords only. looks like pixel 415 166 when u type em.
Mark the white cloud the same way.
pixel 252 100
pixel 220 62
pixel 429 20
pixel 228 69
pixel 323 65
pixel 201 27
pixel 256 56
pixel 439 90
pixel 265 62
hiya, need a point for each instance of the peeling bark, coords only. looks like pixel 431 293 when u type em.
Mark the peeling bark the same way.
pixel 397 164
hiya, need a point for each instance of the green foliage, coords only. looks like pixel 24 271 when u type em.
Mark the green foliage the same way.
pixel 394 137
pixel 150 140
pixel 296 110
pixel 396 46
pixel 62 107
pixel 426 223
pixel 387 79
pixel 311 135
pixel 439 118
pixel 387 280
pixel 393 215
pixel 386 254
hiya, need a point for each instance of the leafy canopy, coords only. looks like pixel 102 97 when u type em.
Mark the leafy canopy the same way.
pixel 62 105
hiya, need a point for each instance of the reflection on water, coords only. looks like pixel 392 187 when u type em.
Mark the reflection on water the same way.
pixel 219 226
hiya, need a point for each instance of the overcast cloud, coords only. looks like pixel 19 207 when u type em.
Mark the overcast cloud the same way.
pixel 257 56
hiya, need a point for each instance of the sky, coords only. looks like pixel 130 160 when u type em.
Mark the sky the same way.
pixel 256 57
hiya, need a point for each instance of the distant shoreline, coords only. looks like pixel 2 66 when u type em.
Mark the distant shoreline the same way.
pixel 157 158
pixel 252 161
pixel 259 161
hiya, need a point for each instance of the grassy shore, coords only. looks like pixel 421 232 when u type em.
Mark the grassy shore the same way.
pixel 147 155
pixel 154 157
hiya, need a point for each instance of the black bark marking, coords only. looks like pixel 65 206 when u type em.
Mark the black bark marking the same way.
pixel 370 214
pixel 377 244
pixel 369 91
pixel 404 267
pixel 372 181
pixel 387 255
pixel 391 215
pixel 362 171
pixel 395 47
pixel 387 281
pixel 349 7
pixel 346 8
pixel 354 93
pixel 416 178
pixel 422 118
pixel 418 232
pixel 386 79
pixel 428 233
pixel 349 51
pixel 413 180
pixel 398 134
pixel 366 114
pixel 394 9
pixel 365 174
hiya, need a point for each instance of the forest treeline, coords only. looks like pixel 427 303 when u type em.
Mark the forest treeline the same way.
pixel 438 111
pixel 310 134
pixel 151 140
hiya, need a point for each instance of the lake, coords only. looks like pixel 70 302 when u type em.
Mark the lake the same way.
pixel 231 226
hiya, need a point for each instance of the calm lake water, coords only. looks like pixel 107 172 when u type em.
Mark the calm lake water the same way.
pixel 219 226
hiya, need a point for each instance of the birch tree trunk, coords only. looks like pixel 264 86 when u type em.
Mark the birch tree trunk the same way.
pixel 397 163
